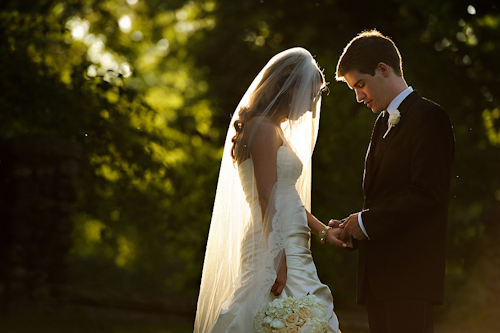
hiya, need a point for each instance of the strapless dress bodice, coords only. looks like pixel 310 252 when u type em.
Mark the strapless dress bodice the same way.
pixel 289 169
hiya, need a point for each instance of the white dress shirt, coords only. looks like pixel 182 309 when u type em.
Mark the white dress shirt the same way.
pixel 392 106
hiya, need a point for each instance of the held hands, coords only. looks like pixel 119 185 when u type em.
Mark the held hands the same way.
pixel 333 234
pixel 351 228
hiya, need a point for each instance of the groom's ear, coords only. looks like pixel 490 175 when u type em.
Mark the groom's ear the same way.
pixel 384 69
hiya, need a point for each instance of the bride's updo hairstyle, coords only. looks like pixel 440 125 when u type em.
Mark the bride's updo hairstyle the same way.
pixel 291 82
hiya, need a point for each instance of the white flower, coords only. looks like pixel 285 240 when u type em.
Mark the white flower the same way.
pixel 306 314
pixel 307 328
pixel 394 119
pixel 292 318
pixel 276 323
pixel 317 312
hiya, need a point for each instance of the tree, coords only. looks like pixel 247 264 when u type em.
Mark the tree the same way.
pixel 148 89
pixel 116 78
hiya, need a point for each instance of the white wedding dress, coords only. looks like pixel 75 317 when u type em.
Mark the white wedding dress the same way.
pixel 302 277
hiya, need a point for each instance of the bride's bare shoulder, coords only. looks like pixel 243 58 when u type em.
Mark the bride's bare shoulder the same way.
pixel 262 130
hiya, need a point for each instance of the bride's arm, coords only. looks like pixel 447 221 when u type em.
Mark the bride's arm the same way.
pixel 263 151
pixel 317 226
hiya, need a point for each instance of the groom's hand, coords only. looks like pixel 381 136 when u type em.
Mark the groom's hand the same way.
pixel 352 228
pixel 334 223
pixel 332 235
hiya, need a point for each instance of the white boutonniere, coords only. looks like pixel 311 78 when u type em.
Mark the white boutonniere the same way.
pixel 394 119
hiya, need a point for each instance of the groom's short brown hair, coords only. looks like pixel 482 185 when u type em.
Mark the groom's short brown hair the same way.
pixel 365 51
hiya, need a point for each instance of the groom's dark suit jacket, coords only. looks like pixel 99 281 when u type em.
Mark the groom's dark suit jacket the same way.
pixel 406 186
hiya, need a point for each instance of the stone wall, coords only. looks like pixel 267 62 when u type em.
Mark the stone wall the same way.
pixel 37 194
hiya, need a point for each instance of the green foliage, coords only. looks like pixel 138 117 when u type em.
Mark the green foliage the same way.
pixel 115 77
pixel 148 87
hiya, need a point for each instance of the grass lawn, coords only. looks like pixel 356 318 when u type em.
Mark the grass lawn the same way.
pixel 88 322
pixel 107 320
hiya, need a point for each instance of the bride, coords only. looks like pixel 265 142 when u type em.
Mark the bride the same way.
pixel 258 243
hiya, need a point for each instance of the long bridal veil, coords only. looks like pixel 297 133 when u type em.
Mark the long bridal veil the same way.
pixel 236 238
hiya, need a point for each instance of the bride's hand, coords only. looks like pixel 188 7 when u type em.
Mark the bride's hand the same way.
pixel 280 282
pixel 333 236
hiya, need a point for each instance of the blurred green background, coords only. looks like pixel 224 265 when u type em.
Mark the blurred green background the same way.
pixel 147 89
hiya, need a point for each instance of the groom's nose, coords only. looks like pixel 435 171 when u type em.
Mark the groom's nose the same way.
pixel 360 96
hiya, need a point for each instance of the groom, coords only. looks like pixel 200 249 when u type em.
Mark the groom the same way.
pixel 400 234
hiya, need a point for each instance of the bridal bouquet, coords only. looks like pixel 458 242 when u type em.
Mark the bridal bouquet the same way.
pixel 292 315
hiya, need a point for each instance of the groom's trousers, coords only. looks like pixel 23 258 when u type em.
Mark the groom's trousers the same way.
pixel 408 315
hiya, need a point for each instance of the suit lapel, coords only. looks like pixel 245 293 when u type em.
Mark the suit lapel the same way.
pixel 372 161
pixel 377 133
